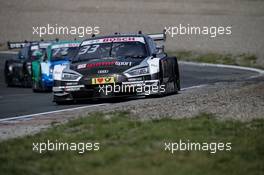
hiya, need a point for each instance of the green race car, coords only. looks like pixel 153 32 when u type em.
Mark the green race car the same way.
pixel 59 53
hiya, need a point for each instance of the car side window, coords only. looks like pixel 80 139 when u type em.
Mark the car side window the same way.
pixel 23 53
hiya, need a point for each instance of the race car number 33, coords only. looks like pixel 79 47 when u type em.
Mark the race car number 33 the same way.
pixel 103 80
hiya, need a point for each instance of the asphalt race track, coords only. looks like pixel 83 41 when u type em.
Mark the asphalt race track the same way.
pixel 22 101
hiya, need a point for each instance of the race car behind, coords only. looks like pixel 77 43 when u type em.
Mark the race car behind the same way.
pixel 59 53
pixel 117 66
pixel 17 72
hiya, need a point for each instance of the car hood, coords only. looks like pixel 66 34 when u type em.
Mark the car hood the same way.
pixel 105 66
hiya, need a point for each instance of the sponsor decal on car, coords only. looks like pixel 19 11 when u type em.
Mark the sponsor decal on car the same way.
pixel 81 66
pixel 103 80
pixel 119 39
pixel 123 63
pixel 66 45
pixel 33 48
pixel 102 64
pixel 103 71
pixel 114 39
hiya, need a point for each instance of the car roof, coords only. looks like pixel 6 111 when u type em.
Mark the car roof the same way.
pixel 65 42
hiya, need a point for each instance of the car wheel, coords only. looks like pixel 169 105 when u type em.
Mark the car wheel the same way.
pixel 176 78
pixel 9 82
pixel 8 78
pixel 175 88
pixel 35 86
pixel 165 84
pixel 172 86
pixel 177 71
pixel 64 102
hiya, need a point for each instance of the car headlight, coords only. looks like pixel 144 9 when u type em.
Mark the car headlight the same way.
pixel 70 76
pixel 140 71
pixel 10 68
pixel 51 71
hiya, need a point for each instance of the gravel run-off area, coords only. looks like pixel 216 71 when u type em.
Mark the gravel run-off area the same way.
pixel 242 100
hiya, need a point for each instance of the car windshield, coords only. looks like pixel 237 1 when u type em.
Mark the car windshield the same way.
pixel 63 53
pixel 37 51
pixel 112 49
pixel 36 54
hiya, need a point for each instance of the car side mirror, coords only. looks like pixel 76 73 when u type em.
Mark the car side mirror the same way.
pixel 160 49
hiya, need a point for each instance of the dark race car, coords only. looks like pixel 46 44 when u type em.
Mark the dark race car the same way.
pixel 18 71
pixel 117 66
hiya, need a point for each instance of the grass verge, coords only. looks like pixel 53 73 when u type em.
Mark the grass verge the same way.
pixel 128 146
pixel 248 60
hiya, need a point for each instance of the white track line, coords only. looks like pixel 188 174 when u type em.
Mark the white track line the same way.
pixel 50 112
pixel 260 71
pixel 193 87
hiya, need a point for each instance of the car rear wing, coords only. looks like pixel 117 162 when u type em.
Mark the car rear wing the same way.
pixel 17 44
pixel 158 36
pixel 21 44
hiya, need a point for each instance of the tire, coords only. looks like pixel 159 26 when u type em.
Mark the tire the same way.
pixel 25 77
pixel 174 77
pixel 175 87
pixel 8 79
pixel 60 102
pixel 9 82
pixel 64 102
pixel 177 72
pixel 35 86
pixel 27 83
pixel 168 90
pixel 161 77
